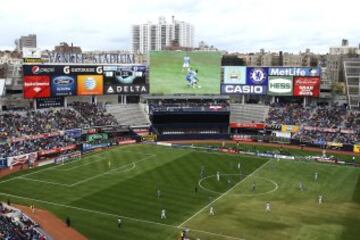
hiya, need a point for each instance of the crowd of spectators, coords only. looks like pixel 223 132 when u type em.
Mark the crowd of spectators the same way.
pixel 17 124
pixel 289 114
pixel 14 225
pixel 24 147
pixel 321 118
pixel 94 114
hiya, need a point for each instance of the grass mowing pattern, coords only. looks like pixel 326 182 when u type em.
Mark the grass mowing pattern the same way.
pixel 118 188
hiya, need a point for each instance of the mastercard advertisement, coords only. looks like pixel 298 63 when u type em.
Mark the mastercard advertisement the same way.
pixel 90 85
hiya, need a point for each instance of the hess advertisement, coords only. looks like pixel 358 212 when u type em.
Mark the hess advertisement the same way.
pixel 307 86
pixel 120 79
pixel 280 86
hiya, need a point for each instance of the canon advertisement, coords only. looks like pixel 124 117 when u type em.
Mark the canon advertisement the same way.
pixel 307 86
pixel 126 79
pixel 280 86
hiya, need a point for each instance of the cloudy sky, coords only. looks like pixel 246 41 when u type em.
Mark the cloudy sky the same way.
pixel 233 25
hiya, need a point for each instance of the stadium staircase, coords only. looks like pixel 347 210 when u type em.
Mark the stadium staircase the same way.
pixel 242 113
pixel 129 114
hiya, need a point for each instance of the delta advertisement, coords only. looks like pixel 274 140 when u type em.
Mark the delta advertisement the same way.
pixel 273 81
pixel 126 79
pixel 306 86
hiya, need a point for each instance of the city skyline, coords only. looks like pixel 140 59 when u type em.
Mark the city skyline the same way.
pixel 243 26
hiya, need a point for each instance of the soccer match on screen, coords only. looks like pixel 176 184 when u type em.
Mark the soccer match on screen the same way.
pixel 179 120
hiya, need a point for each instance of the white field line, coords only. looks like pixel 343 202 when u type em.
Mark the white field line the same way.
pixel 224 194
pixel 43 181
pixel 116 216
pixel 111 171
pixel 77 166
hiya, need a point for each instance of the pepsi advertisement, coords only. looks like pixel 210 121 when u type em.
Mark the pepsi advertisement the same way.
pixel 63 85
pixel 257 76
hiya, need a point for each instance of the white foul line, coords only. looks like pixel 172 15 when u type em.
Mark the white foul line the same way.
pixel 223 195
pixel 117 216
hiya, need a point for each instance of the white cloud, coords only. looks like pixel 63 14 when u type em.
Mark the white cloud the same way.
pixel 243 25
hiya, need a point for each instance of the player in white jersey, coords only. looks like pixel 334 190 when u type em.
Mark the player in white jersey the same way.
pixel 163 214
pixel 268 207
pixel 211 211
pixel 320 199
pixel 316 176
pixel 218 176
pixel 186 63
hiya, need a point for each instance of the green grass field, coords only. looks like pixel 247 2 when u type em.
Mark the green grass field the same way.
pixel 94 193
pixel 168 77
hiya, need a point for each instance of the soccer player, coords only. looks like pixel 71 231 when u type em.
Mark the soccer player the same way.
pixel 202 171
pixel 163 214
pixel 211 211
pixel 238 165
pixel 218 176
pixel 320 199
pixel 109 164
pixel 316 175
pixel 268 207
pixel 301 186
pixel 119 222
pixel 196 189
pixel 186 63
pixel 158 192
pixel 254 187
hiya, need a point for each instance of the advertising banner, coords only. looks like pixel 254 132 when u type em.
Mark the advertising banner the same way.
pixel 56 150
pixel 73 133
pixel 243 138
pixel 125 79
pixel 282 134
pixel 96 137
pixel 87 146
pixel 307 86
pixel 234 89
pixel 50 102
pixel 63 85
pixel 280 86
pixel 357 148
pixel 334 144
pixel 88 85
pixel 22 159
pixel 34 137
pixel 295 71
pixel 290 128
pixel 36 87
pixel 257 76
pixel 248 125
pixel 234 75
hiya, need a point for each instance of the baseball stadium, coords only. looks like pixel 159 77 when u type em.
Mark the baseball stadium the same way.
pixel 141 151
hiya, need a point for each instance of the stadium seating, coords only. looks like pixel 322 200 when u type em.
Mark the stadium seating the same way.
pixel 130 114
pixel 248 113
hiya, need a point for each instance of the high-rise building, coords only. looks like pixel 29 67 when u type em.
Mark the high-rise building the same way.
pixel 352 80
pixel 335 60
pixel 147 37
pixel 26 42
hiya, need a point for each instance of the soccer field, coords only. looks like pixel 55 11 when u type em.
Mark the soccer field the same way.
pixel 167 75
pixel 95 190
